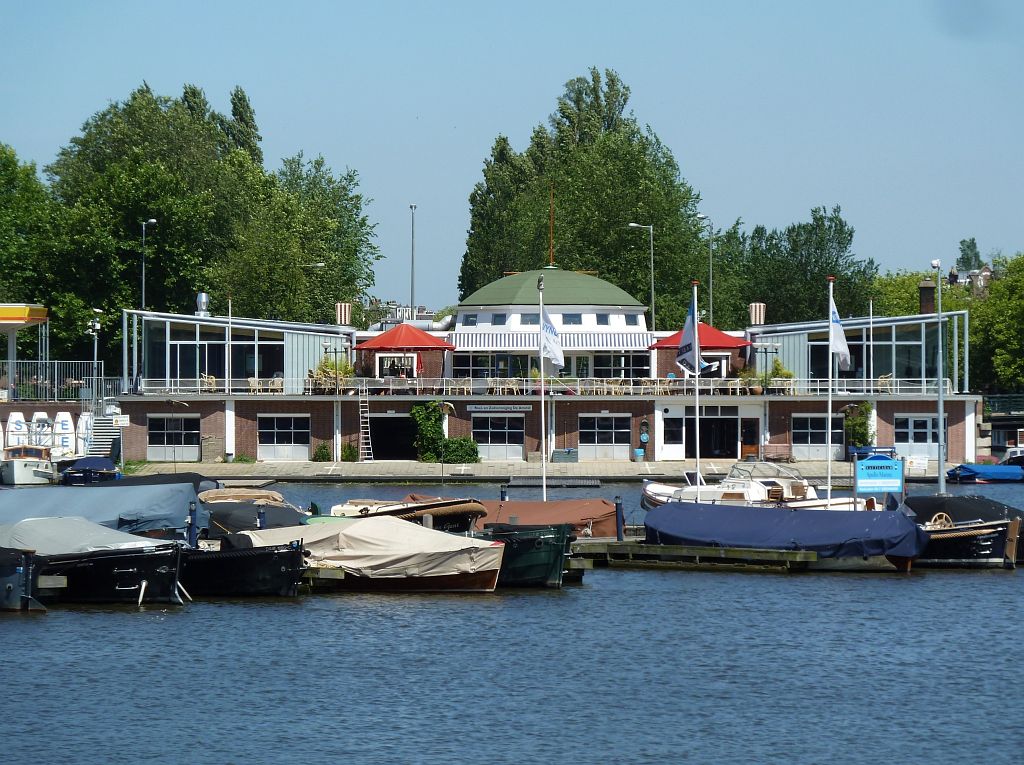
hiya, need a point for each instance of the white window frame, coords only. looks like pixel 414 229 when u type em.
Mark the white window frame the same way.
pixel 818 451
pixel 180 452
pixel 616 450
pixel 910 448
pixel 287 452
pixel 405 361
pixel 492 450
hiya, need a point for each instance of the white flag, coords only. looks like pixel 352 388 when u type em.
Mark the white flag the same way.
pixel 550 344
pixel 688 356
pixel 837 338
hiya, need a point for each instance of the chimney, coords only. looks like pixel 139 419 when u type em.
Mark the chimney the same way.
pixel 756 314
pixel 202 304
pixel 926 296
pixel 343 314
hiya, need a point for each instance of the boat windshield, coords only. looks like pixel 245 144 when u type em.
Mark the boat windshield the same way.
pixel 762 470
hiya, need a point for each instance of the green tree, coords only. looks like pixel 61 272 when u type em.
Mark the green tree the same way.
pixel 997 343
pixel 26 219
pixel 970 257
pixel 782 267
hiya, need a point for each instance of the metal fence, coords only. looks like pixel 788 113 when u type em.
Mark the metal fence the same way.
pixel 54 381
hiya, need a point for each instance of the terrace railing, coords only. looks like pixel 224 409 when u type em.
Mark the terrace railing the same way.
pixel 54 381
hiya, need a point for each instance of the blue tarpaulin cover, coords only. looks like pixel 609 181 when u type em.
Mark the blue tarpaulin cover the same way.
pixel 830 533
pixel 985 473
pixel 133 509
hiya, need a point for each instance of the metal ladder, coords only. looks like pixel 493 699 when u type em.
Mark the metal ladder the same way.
pixel 365 445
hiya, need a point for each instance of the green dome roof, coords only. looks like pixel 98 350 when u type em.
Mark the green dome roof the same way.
pixel 560 288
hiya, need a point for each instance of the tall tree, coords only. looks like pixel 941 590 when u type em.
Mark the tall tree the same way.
pixel 970 257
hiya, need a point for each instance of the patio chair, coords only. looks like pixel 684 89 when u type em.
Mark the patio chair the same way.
pixel 255 386
pixel 275 385
pixel 207 382
pixel 885 383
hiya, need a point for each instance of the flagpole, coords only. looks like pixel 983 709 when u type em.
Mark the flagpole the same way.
pixel 543 420
pixel 828 416
pixel 696 384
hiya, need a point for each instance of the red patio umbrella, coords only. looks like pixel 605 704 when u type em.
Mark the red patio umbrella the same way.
pixel 404 337
pixel 709 337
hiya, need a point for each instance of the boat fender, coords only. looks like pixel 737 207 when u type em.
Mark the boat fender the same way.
pixel 538 543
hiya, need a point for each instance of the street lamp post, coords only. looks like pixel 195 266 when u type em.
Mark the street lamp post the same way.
pixel 412 265
pixel 940 359
pixel 142 307
pixel 93 328
pixel 711 268
pixel 650 231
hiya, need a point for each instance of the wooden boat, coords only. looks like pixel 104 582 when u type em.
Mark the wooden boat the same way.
pixel 968 531
pixel 88 563
pixel 387 554
pixel 454 515
pixel 535 556
pixel 857 540
pixel 227 571
pixel 26 464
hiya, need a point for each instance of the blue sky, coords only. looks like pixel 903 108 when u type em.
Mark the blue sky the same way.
pixel 908 114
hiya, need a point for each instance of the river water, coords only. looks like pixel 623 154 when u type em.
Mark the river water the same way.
pixel 632 667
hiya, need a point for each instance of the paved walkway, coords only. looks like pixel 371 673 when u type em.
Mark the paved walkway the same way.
pixel 419 472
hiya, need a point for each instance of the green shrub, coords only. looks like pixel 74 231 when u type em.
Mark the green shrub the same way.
pixel 429 433
pixel 460 450
pixel 322 453
pixel 858 428
pixel 245 459
pixel 349 453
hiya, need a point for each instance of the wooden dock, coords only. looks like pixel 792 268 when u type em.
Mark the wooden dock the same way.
pixel 636 554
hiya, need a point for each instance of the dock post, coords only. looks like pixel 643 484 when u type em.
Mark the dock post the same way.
pixel 193 529
pixel 503 495
pixel 620 520
pixel 261 519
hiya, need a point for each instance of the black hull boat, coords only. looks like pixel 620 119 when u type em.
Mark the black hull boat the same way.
pixel 982 544
pixel 968 531
pixel 229 572
pixel 19 581
pixel 535 556
pixel 130 576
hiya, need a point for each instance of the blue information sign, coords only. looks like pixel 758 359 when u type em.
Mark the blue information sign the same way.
pixel 879 473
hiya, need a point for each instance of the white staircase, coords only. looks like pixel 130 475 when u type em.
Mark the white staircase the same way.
pixel 365 445
pixel 103 435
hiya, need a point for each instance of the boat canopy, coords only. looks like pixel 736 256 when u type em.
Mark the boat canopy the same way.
pixel 588 517
pixel 70 534
pixel 986 473
pixel 133 509
pixel 960 508
pixel 830 533
pixel 383 546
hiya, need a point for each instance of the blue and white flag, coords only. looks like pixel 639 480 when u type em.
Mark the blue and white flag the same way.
pixel 550 343
pixel 688 357
pixel 837 338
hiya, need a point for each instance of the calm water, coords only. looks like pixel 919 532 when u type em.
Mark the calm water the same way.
pixel 634 667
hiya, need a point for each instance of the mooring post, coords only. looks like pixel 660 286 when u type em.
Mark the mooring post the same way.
pixel 620 520
pixel 503 489
pixel 261 519
pixel 193 529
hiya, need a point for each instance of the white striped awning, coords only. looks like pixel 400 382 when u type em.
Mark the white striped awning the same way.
pixel 529 341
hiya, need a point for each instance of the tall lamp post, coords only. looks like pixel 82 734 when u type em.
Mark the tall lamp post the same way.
pixel 412 265
pixel 142 307
pixel 940 361
pixel 711 268
pixel 650 231
pixel 93 328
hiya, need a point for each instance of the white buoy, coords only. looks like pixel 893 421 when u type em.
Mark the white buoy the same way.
pixel 17 429
pixel 63 435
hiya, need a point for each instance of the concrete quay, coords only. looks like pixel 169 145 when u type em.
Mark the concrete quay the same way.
pixel 407 471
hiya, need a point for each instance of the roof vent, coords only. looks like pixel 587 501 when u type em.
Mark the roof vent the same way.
pixel 202 304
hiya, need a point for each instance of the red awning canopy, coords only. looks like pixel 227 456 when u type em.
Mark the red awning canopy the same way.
pixel 710 338
pixel 404 337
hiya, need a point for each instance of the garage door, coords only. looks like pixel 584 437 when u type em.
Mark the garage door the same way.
pixel 604 437
pixel 499 437
pixel 283 438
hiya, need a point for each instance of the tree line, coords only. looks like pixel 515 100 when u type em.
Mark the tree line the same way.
pixel 227 226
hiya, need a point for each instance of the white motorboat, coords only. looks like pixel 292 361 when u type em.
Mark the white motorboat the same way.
pixel 25 464
pixel 750 483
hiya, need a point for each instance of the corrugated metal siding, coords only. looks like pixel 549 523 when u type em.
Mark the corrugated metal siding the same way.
pixel 303 352
pixel 792 352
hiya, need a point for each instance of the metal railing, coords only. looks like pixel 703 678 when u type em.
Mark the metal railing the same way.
pixel 555 386
pixel 1007 403
pixel 54 381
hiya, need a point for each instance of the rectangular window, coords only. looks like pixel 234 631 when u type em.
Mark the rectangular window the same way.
pixel 498 319
pixel 498 430
pixel 605 429
pixel 811 430
pixel 174 430
pixel 395 365
pixel 277 429
pixel 572 319
pixel 632 320
pixel 469 320
pixel 916 429
pixel 602 320
pixel 622 365
pixel 530 319
pixel 673 431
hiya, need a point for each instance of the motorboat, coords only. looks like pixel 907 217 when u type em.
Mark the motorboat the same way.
pixel 386 554
pixel 857 540
pixel 84 562
pixel 977 473
pixel 89 470
pixel 454 515
pixel 750 483
pixel 26 464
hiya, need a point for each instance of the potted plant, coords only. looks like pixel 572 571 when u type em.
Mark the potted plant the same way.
pixel 749 378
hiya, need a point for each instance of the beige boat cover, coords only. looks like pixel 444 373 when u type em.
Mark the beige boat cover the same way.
pixel 242 494
pixel 385 547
